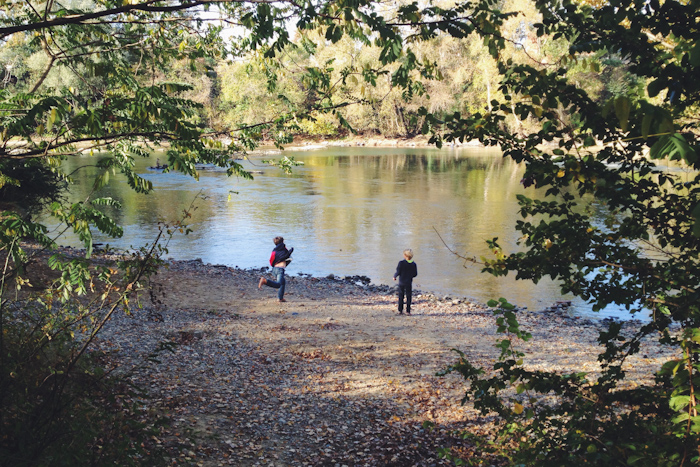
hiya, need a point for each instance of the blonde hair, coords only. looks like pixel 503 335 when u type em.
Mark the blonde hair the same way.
pixel 408 253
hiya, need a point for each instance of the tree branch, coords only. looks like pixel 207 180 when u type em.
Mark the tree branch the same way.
pixel 471 260
pixel 147 6
pixel 41 152
pixel 45 73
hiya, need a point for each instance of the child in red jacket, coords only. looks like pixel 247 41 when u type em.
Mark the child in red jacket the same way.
pixel 279 259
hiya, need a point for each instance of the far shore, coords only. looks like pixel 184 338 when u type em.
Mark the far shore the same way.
pixel 378 141
pixel 421 141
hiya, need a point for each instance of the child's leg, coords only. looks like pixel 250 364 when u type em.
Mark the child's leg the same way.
pixel 402 291
pixel 282 282
pixel 275 284
pixel 409 294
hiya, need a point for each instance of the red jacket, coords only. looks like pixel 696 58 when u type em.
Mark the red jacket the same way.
pixel 279 254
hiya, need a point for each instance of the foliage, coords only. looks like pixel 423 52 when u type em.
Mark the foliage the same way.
pixel 286 163
pixel 620 226
pixel 108 78
pixel 92 79
pixel 247 98
pixel 589 421
pixel 319 125
pixel 29 185
pixel 54 415
pixel 59 402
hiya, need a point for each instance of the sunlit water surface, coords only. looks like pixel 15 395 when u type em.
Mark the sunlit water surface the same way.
pixel 346 211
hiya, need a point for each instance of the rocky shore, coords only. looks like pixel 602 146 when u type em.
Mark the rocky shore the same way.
pixel 331 377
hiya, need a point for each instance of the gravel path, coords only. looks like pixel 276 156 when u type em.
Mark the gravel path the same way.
pixel 331 377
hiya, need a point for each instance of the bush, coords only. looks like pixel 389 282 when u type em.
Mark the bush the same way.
pixel 591 422
pixel 57 408
pixel 29 185
pixel 61 402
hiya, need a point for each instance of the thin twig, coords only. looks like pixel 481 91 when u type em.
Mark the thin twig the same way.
pixel 471 260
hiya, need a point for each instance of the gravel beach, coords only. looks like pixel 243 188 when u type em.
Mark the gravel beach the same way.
pixel 333 376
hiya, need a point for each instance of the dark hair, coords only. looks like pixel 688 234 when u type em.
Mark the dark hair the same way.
pixel 278 240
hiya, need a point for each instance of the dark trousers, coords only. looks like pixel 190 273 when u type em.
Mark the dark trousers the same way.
pixel 405 290
pixel 279 283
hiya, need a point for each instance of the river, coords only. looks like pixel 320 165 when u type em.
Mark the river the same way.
pixel 346 211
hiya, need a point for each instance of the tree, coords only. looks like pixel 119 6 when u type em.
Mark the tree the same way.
pixel 644 255
pixel 84 77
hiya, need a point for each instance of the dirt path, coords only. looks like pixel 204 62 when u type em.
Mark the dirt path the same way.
pixel 331 377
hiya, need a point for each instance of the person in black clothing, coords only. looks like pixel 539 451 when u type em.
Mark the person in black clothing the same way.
pixel 279 259
pixel 406 271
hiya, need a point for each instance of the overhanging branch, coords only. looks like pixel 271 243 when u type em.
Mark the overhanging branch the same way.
pixel 149 6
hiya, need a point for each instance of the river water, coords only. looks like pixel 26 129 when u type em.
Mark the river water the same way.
pixel 346 211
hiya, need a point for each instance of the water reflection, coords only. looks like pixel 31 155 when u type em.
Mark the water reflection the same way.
pixel 346 211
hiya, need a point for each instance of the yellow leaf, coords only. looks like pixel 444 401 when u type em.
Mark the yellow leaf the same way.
pixel 518 409
pixel 52 118
pixel 561 173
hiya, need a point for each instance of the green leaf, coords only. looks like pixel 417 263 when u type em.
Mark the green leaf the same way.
pixel 673 147
pixel 695 55
pixel 52 118
pixel 106 202
pixel 622 111
pixel 101 180
pixel 655 87
pixel 681 418
pixel 679 402
pixel 607 108
pixel 696 218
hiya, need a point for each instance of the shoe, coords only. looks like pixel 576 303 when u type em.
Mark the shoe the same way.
pixel 400 312
pixel 282 300
pixel 262 282
pixel 408 313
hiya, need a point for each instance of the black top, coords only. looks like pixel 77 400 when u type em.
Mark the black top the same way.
pixel 279 254
pixel 406 271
